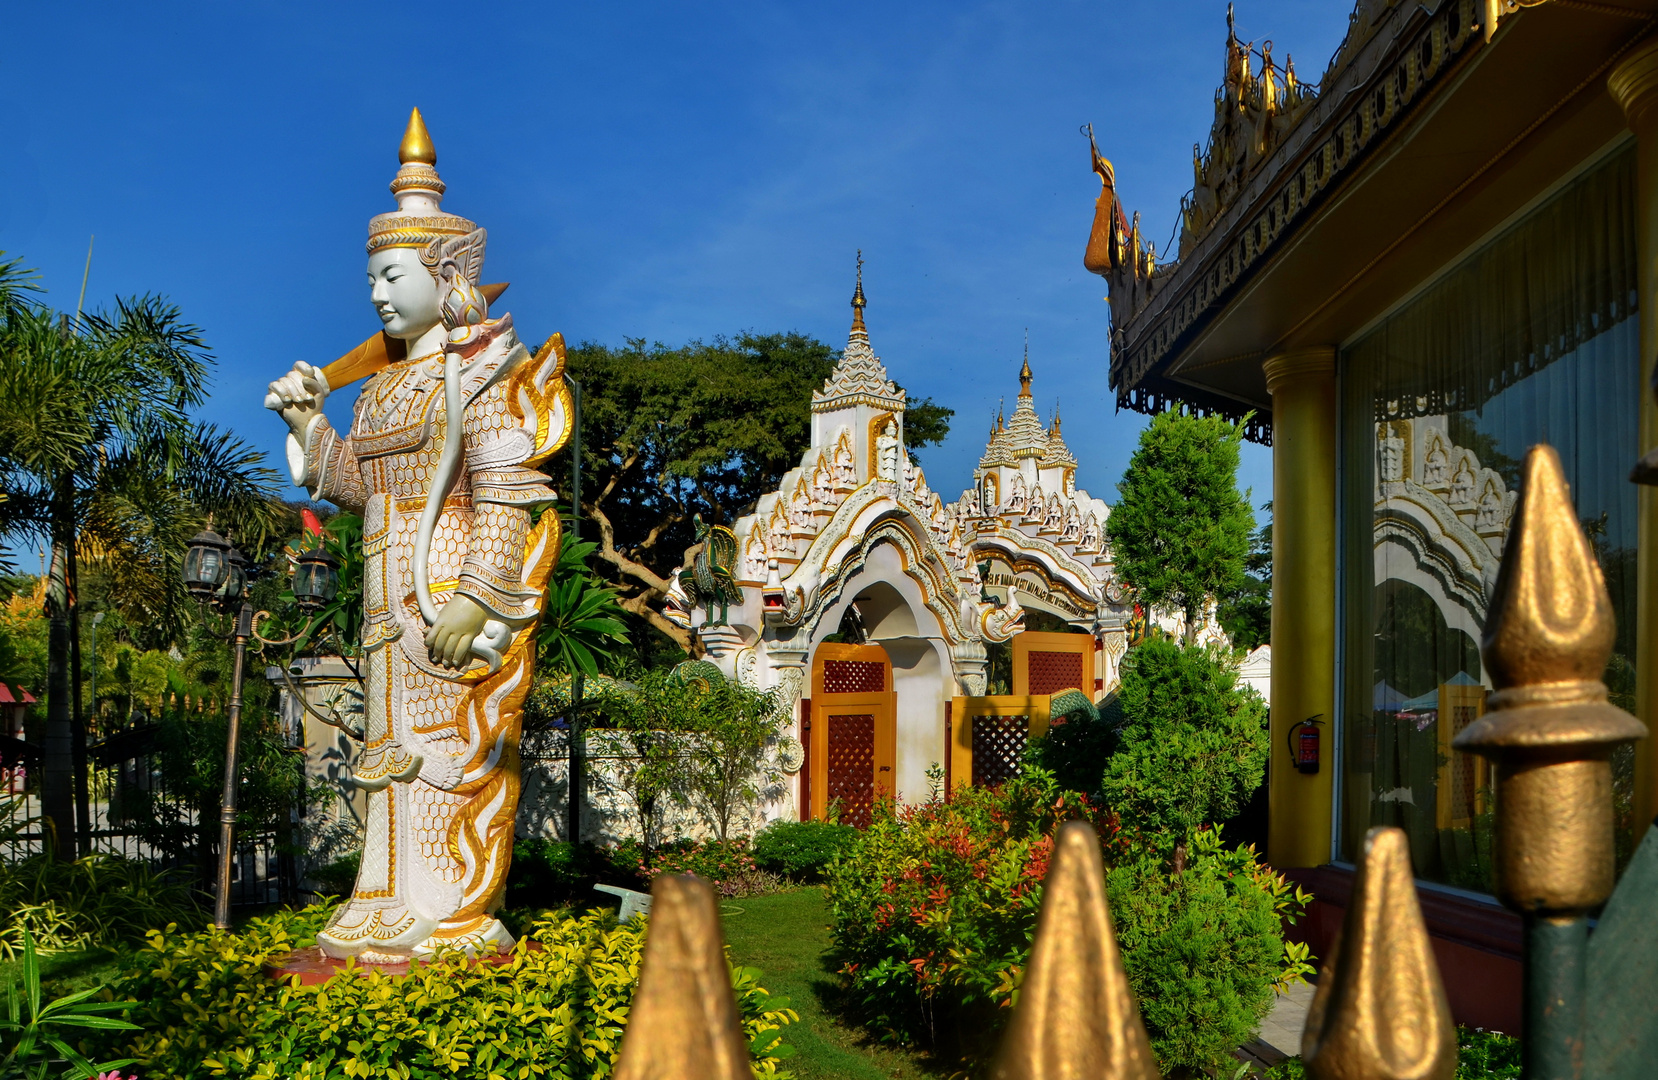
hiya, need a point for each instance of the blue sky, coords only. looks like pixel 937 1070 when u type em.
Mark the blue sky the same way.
pixel 663 171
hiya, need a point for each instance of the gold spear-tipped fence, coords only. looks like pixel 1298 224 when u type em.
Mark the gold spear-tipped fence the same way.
pixel 1380 1011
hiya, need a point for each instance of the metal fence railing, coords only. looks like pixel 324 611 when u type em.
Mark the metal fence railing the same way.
pixel 132 816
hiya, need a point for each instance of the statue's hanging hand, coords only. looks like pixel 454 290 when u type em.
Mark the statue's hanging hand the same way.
pixel 449 641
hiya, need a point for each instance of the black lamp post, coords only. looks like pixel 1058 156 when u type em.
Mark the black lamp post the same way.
pixel 213 570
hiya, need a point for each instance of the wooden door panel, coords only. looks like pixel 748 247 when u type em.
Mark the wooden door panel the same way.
pixel 853 738
pixel 854 731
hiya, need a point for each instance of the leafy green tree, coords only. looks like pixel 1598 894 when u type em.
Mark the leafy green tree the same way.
pixel 1246 612
pixel 706 427
pixel 99 456
pixel 727 766
pixel 1193 743
pixel 1180 531
pixel 641 738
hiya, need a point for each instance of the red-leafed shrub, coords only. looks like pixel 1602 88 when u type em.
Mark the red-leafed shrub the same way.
pixel 935 910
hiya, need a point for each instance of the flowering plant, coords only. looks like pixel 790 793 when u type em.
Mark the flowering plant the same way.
pixel 712 860
pixel 935 909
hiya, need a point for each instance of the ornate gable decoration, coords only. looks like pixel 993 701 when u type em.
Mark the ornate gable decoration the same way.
pixel 1275 148
pixel 1253 110
pixel 859 378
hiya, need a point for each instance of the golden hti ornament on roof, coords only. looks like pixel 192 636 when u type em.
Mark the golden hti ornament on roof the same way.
pixel 1252 112
pixel 859 377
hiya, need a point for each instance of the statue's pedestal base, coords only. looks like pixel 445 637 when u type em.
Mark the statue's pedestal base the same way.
pixel 314 967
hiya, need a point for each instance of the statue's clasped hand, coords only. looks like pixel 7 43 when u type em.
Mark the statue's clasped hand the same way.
pixel 449 641
pixel 298 396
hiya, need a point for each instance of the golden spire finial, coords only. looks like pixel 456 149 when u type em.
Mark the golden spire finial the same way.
pixel 858 300
pixel 1550 619
pixel 1024 369
pixel 417 144
pixel 684 1020
pixel 1076 1014
pixel 1549 727
pixel 1380 1011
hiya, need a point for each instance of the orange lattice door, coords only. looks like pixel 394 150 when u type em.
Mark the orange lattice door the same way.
pixel 988 737
pixel 854 730
pixel 1464 778
pixel 1048 663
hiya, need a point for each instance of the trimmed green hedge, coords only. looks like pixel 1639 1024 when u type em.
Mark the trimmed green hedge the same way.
pixel 803 850
pixel 207 1009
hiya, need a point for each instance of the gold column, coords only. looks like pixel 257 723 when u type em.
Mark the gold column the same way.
pixel 1634 85
pixel 1303 388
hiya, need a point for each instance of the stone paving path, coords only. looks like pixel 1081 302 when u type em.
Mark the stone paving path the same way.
pixel 1280 1034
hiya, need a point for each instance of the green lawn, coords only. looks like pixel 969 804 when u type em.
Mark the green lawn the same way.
pixel 65 972
pixel 787 937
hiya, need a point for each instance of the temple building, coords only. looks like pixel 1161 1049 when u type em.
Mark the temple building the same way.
pixel 894 623
pixel 1407 274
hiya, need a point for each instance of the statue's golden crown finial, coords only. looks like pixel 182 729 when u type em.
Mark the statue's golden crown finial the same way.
pixel 419 219
pixel 417 142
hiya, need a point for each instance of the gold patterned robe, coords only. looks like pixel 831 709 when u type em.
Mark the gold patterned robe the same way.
pixel 440 753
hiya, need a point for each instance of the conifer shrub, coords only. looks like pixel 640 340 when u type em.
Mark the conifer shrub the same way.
pixel 1192 744
pixel 935 909
pixel 207 1008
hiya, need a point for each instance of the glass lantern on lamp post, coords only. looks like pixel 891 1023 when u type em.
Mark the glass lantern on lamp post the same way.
pixel 316 580
pixel 205 564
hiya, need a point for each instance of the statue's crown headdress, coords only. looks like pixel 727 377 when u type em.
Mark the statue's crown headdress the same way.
pixel 418 221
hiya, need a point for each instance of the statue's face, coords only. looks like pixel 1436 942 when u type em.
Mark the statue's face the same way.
pixel 404 292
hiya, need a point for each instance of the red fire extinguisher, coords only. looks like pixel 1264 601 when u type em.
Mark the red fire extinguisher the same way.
pixel 1304 743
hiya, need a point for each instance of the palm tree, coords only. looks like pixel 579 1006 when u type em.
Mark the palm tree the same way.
pixel 99 455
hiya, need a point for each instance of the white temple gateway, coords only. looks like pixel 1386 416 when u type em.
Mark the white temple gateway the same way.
pixel 856 525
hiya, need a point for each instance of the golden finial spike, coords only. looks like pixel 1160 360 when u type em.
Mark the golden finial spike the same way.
pixel 1076 1016
pixel 684 1023
pixel 1380 1011
pixel 1550 618
pixel 417 144
pixel 1549 727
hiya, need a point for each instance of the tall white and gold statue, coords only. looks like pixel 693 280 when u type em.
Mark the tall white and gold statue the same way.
pixel 441 462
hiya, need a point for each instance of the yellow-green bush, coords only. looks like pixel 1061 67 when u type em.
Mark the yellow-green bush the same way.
pixel 206 1009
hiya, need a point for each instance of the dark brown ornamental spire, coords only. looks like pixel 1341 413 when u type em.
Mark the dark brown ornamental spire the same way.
pixel 858 300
